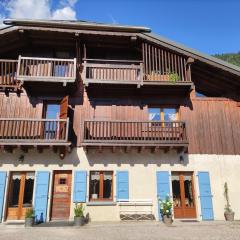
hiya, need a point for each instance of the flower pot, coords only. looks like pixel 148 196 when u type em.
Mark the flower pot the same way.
pixel 29 222
pixel 167 220
pixel 229 216
pixel 79 221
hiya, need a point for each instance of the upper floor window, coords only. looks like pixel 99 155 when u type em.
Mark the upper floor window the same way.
pixel 52 110
pixel 163 114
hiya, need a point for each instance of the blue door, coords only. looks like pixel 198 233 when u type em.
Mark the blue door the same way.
pixel 205 196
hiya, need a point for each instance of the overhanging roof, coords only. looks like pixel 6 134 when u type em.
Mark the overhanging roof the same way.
pixel 76 25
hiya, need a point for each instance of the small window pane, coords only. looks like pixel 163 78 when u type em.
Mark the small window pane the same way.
pixel 62 181
pixel 188 188
pixel 170 114
pixel 107 185
pixel 154 114
pixel 176 191
pixel 28 190
pixel 94 185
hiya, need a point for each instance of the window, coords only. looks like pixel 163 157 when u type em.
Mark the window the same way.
pixel 62 181
pixel 101 186
pixel 163 114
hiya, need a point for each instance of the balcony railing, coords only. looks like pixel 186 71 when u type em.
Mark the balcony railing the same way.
pixel 112 71
pixel 33 131
pixel 46 69
pixel 8 74
pixel 154 133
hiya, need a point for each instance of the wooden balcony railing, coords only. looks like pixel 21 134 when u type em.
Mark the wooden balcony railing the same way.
pixel 112 71
pixel 8 74
pixel 134 133
pixel 33 131
pixel 46 69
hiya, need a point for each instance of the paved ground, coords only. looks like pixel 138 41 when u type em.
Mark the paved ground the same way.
pixel 126 230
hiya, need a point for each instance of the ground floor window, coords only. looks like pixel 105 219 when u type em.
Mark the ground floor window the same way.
pixel 101 186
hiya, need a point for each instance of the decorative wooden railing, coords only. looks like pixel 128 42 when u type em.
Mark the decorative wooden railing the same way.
pixel 134 132
pixel 112 71
pixel 8 74
pixel 32 131
pixel 163 65
pixel 46 69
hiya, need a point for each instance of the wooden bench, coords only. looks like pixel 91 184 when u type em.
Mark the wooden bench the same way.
pixel 136 209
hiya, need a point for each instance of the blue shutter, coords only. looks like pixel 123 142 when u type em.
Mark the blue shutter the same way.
pixel 41 196
pixel 2 191
pixel 122 186
pixel 163 187
pixel 80 186
pixel 205 195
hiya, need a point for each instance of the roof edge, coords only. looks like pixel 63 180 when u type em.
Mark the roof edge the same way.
pixel 76 25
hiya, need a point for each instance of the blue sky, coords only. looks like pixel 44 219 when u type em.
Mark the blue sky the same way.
pixel 210 26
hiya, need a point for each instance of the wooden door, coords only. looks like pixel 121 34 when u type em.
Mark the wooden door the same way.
pixel 61 197
pixel 183 195
pixel 20 195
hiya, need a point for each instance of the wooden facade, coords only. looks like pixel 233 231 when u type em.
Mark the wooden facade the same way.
pixel 93 113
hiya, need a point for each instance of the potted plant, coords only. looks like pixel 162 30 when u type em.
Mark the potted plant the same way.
pixel 79 215
pixel 29 217
pixel 228 214
pixel 166 210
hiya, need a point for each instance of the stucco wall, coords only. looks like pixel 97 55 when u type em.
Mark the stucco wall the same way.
pixel 142 169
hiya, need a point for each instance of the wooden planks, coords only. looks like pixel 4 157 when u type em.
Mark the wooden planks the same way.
pixel 162 65
pixel 213 126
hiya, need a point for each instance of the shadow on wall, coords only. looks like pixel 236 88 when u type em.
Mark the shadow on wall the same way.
pixel 46 158
pixel 145 158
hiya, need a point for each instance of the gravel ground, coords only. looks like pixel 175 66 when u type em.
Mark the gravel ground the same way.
pixel 126 230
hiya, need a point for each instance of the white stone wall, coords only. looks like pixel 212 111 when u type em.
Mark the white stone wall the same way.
pixel 142 169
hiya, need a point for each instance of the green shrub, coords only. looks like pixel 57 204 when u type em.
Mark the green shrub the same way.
pixel 79 210
pixel 29 213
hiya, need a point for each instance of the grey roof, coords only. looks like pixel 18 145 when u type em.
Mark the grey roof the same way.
pixel 76 25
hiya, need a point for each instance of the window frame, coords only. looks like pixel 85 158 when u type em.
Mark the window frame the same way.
pixel 161 108
pixel 101 186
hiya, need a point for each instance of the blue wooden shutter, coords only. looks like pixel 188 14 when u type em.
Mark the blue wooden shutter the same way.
pixel 122 186
pixel 163 188
pixel 2 191
pixel 163 185
pixel 205 195
pixel 41 196
pixel 80 186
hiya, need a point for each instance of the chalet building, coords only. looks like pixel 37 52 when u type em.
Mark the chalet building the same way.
pixel 114 117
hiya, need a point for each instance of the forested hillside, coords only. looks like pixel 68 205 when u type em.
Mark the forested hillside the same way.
pixel 233 58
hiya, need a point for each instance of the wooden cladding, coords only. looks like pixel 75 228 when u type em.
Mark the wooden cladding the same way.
pixel 8 74
pixel 112 71
pixel 213 126
pixel 163 65
pixel 33 130
pixel 46 69
pixel 134 133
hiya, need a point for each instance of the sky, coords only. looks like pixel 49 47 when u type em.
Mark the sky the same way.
pixel 210 26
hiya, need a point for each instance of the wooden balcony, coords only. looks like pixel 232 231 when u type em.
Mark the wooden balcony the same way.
pixel 154 134
pixel 8 75
pixel 33 132
pixel 112 71
pixel 46 70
